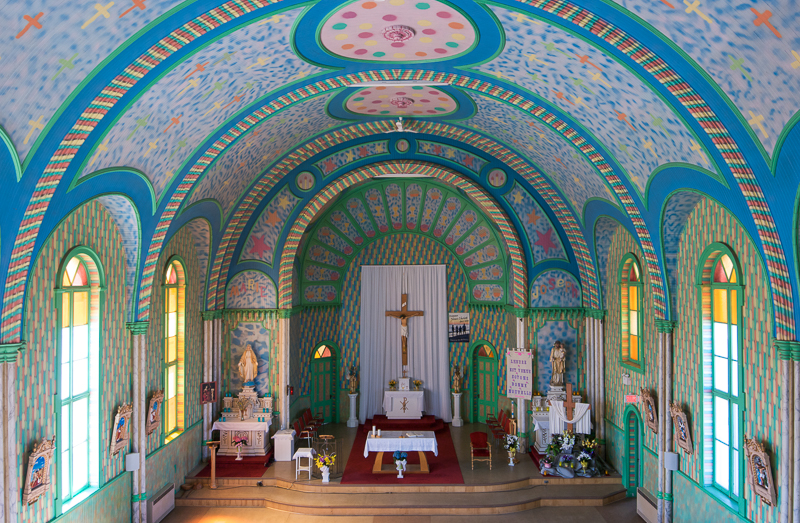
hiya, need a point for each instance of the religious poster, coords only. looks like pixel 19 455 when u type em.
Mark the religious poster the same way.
pixel 154 412
pixel 120 431
pixel 208 392
pixel 519 374
pixel 458 327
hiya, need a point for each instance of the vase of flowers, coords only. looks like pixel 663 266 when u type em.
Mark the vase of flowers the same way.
pixel 400 460
pixel 392 384
pixel 511 444
pixel 417 384
pixel 324 463
pixel 238 442
pixel 567 441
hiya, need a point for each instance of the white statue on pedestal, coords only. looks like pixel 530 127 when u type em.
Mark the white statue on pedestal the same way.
pixel 248 367
pixel 558 356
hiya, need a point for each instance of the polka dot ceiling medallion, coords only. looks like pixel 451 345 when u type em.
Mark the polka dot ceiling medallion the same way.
pixel 418 100
pixel 398 31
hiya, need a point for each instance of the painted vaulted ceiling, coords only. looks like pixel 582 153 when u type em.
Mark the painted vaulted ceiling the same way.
pixel 260 124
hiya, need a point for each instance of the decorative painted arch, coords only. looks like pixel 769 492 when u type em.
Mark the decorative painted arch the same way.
pixel 126 216
pixel 487 206
pixel 694 103
pixel 604 229
pixel 416 206
pixel 676 210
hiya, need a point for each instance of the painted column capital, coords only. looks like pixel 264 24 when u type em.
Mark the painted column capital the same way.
pixel 666 326
pixel 137 327
pixel 211 315
pixel 288 313
pixel 597 314
pixel 9 351
pixel 788 349
pixel 519 312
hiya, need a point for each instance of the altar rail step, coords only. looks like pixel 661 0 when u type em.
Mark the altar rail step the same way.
pixel 376 501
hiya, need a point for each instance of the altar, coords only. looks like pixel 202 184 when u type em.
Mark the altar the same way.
pixel 403 404
pixel 254 434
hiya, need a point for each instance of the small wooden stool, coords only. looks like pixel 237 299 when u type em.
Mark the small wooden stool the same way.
pixel 298 465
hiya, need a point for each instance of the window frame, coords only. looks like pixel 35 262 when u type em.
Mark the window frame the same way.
pixel 705 287
pixel 625 360
pixel 95 290
pixel 180 358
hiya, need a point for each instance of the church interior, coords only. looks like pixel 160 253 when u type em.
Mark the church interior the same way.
pixel 364 260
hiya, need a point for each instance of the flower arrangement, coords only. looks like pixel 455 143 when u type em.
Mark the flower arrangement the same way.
pixel 566 461
pixel 547 461
pixel 392 384
pixel 584 458
pixel 567 441
pixel 324 460
pixel 417 384
pixel 511 443
pixel 590 444
pixel 399 455
pixel 239 441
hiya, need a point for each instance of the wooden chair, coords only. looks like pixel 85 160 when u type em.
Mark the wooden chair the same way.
pixel 479 448
pixel 303 432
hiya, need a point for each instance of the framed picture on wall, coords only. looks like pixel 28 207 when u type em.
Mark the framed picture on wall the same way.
pixel 458 327
pixel 649 411
pixel 120 431
pixel 681 423
pixel 208 392
pixel 759 470
pixel 154 411
pixel 37 481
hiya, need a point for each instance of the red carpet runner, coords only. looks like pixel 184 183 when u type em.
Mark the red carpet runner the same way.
pixel 228 467
pixel 444 467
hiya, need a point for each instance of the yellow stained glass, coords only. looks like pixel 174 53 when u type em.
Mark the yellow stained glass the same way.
pixel 721 305
pixel 72 267
pixel 634 324
pixel 172 349
pixel 172 415
pixel 633 349
pixel 633 301
pixel 81 314
pixel 172 324
pixel 727 266
pixel 172 294
pixel 169 274
pixel 65 310
pixel 734 315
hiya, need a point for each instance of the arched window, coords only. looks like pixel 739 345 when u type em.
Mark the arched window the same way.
pixel 721 301
pixel 78 298
pixel 322 352
pixel 630 290
pixel 174 341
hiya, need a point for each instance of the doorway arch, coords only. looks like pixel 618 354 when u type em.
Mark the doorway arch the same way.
pixel 324 381
pixel 484 381
pixel 632 474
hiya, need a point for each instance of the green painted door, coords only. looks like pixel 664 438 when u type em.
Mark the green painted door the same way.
pixel 323 383
pixel 485 388
pixel 633 454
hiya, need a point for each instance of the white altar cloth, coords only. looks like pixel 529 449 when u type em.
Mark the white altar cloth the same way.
pixel 403 404
pixel 242 425
pixel 390 441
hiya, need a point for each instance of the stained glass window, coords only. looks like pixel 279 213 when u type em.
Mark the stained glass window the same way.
pixel 174 334
pixel 631 312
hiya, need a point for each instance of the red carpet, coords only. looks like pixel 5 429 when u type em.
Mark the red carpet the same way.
pixel 535 456
pixel 382 422
pixel 444 467
pixel 228 467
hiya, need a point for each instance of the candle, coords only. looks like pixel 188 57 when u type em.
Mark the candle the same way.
pixel 373 430
pixel 379 433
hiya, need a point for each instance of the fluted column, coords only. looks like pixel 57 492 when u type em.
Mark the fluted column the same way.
pixel 209 338
pixel 665 350
pixel 595 373
pixel 9 483
pixel 284 331
pixel 522 403
pixel 789 454
pixel 138 332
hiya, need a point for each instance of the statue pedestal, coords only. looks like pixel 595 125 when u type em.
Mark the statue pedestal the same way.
pixel 457 421
pixel 353 420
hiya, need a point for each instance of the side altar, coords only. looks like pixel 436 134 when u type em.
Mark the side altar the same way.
pixel 245 418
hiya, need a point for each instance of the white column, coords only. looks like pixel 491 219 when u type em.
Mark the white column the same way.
pixel 522 407
pixel 668 420
pixel 208 375
pixel 457 421
pixel 662 413
pixel 9 483
pixel 138 438
pixel 796 460
pixel 786 443
pixel 284 328
pixel 353 420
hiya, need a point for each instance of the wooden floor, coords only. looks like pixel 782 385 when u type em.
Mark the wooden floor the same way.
pixel 516 493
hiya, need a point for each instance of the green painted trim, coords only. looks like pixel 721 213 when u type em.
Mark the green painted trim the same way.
pixel 9 351
pixel 782 138
pixel 519 312
pixel 720 248
pixel 788 350
pixel 626 458
pixel 597 314
pixel 137 327
pixel 635 366
pixel 128 170
pixel 12 151
pixel 179 364
pixel 716 496
pixel 97 491
pixel 666 326
pixel 718 177
pixel 211 315
pixel 334 381
pixel 139 497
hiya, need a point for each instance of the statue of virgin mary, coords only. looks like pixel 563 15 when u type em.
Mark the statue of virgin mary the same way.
pixel 248 367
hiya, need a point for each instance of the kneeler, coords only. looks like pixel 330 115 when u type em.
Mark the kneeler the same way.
pixel 479 448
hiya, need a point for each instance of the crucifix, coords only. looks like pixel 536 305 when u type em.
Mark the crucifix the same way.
pixel 569 405
pixel 404 314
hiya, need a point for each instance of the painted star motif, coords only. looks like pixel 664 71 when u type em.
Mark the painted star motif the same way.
pixel 517 197
pixel 259 246
pixel 533 217
pixel 272 218
pixel 545 240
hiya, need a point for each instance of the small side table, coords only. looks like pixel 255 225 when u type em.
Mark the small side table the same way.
pixel 298 464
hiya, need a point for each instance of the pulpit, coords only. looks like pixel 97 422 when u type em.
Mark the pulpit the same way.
pixel 404 404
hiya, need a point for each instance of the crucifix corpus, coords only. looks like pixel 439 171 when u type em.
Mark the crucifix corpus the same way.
pixel 404 314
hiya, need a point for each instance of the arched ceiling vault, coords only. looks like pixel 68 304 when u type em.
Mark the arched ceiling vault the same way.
pixel 579 108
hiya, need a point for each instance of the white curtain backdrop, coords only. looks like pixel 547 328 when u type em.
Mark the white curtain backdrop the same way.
pixel 428 349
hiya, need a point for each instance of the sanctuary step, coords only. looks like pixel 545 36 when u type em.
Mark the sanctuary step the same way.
pixel 383 423
pixel 376 501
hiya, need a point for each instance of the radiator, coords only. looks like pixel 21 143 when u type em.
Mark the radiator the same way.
pixel 161 504
pixel 645 507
